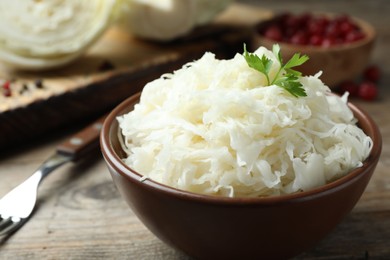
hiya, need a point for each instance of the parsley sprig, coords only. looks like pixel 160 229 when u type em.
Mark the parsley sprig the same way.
pixel 286 77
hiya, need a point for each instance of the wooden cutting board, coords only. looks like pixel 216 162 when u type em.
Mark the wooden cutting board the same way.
pixel 114 68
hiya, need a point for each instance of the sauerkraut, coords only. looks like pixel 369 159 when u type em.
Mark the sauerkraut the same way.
pixel 214 127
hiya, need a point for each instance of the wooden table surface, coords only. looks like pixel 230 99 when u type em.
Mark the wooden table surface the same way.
pixel 80 214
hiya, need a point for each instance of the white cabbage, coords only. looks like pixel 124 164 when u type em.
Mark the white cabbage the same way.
pixel 166 20
pixel 213 127
pixel 207 10
pixel 38 35
pixel 44 34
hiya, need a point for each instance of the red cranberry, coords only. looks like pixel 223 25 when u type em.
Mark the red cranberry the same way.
pixel 333 30
pixel 274 33
pixel 368 91
pixel 289 32
pixel 318 31
pixel 349 86
pixel 304 19
pixel 328 42
pixel 346 27
pixel 372 73
pixel 292 21
pixel 354 36
pixel 316 40
pixel 316 27
pixel 299 38
pixel 323 21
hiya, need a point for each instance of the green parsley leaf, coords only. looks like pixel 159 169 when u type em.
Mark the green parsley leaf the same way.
pixel 296 60
pixel 293 72
pixel 292 85
pixel 262 64
pixel 286 77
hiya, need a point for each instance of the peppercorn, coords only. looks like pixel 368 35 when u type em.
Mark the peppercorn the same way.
pixel 7 89
pixel 39 83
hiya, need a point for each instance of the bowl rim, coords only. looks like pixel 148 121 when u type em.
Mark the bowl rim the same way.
pixel 366 27
pixel 115 162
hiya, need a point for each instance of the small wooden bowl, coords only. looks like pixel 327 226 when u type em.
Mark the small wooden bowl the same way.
pixel 210 227
pixel 338 63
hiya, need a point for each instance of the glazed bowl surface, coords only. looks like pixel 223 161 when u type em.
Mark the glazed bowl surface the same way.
pixel 210 227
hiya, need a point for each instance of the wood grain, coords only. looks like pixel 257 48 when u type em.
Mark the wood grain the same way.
pixel 81 215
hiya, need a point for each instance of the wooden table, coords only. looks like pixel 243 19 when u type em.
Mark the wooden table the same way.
pixel 81 215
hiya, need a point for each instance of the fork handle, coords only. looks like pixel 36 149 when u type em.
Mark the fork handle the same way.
pixel 83 142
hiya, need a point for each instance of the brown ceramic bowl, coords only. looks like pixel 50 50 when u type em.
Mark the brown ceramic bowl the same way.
pixel 338 63
pixel 208 227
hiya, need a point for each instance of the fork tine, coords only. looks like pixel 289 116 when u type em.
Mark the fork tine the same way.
pixel 11 228
pixel 8 225
pixel 4 222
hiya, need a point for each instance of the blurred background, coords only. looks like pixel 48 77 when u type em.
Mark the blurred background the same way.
pixel 116 66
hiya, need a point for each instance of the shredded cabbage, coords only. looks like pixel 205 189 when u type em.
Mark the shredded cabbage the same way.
pixel 213 127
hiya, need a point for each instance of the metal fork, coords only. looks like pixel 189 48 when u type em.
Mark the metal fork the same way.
pixel 17 205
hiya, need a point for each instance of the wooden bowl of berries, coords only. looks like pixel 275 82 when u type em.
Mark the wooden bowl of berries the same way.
pixel 338 45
